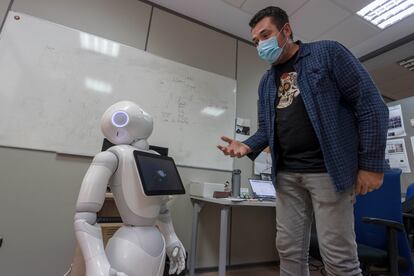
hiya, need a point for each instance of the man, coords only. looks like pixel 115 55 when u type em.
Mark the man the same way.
pixel 326 125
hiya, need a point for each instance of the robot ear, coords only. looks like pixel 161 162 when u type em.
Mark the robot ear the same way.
pixel 120 118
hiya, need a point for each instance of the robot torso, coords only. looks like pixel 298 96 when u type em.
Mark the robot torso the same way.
pixel 134 206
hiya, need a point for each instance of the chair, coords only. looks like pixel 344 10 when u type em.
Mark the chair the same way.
pixel 382 242
pixel 378 224
pixel 408 214
pixel 408 218
pixel 410 191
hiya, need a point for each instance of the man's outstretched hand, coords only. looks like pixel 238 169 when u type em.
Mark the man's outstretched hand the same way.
pixel 234 148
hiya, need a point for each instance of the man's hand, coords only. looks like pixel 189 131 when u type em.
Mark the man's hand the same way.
pixel 234 148
pixel 368 182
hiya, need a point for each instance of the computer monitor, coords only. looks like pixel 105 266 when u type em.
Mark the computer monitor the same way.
pixel 159 175
pixel 262 189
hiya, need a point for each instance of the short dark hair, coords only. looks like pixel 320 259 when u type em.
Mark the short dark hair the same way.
pixel 278 16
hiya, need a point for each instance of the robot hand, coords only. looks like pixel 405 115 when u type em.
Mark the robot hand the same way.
pixel 176 254
pixel 113 272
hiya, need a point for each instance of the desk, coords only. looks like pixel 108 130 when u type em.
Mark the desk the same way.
pixel 225 205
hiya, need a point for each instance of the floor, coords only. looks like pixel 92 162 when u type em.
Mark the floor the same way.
pixel 254 271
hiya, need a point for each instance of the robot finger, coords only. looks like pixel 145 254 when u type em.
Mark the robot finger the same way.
pixel 182 253
pixel 181 267
pixel 173 267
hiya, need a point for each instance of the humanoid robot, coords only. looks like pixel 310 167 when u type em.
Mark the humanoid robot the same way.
pixel 140 181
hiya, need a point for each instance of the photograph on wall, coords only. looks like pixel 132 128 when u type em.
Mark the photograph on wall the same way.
pixel 412 143
pixel 395 122
pixel 242 129
pixel 396 155
pixel 263 163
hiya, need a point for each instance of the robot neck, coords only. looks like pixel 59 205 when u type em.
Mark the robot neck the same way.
pixel 141 144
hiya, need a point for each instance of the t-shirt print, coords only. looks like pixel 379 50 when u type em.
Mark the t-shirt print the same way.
pixel 288 89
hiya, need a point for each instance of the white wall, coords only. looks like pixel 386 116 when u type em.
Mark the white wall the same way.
pixel 255 227
pixel 39 189
pixel 125 21
pixel 186 42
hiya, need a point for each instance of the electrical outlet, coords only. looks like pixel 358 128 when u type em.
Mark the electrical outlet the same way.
pixel 412 122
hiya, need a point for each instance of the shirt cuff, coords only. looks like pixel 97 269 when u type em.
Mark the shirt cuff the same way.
pixel 373 165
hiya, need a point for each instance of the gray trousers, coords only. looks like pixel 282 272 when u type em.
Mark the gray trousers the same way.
pixel 300 196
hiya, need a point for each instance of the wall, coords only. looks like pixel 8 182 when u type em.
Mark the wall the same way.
pixel 407 107
pixel 4 4
pixel 39 189
pixel 254 227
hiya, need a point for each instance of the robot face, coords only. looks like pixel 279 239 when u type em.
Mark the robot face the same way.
pixel 125 122
pixel 120 118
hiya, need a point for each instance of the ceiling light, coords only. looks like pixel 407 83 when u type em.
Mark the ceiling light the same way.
pixel 98 86
pixel 384 13
pixel 213 111
pixel 99 45
pixel 407 63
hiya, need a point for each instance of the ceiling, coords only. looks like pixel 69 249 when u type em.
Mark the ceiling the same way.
pixel 393 80
pixel 315 20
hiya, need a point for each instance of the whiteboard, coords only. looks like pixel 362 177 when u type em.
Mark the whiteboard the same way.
pixel 56 82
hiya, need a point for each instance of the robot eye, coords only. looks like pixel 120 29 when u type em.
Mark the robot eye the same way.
pixel 120 118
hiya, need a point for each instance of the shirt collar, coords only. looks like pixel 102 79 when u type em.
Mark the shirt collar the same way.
pixel 303 50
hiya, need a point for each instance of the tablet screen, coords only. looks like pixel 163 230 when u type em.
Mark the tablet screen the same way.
pixel 159 175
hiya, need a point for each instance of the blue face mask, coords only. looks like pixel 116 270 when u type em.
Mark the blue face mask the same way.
pixel 269 49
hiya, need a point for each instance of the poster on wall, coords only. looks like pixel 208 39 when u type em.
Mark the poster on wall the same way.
pixel 412 143
pixel 242 129
pixel 395 122
pixel 396 155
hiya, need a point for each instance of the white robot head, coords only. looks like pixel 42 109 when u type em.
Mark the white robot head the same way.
pixel 125 122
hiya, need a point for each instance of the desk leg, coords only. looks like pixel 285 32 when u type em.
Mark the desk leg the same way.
pixel 224 222
pixel 197 206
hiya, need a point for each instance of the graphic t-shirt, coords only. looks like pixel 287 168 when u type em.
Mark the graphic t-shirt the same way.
pixel 295 138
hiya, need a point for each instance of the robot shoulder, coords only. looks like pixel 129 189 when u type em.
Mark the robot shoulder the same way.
pixel 106 159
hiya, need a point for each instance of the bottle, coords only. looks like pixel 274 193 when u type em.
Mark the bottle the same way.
pixel 235 183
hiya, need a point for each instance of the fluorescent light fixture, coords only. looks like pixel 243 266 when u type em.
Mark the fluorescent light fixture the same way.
pixel 213 111
pixel 407 63
pixel 384 13
pixel 98 86
pixel 99 45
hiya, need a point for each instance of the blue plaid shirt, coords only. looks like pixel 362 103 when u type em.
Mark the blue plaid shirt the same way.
pixel 346 109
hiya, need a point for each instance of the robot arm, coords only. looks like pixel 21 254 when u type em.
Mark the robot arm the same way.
pixel 174 248
pixel 90 200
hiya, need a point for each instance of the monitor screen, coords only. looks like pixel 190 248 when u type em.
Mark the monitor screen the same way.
pixel 263 188
pixel 159 175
